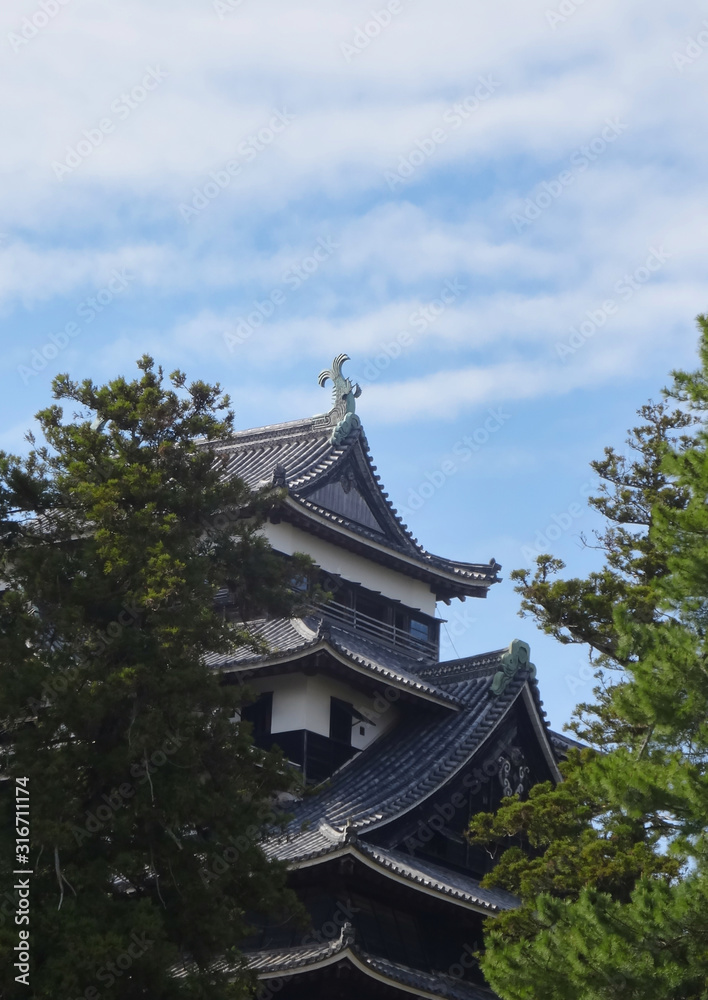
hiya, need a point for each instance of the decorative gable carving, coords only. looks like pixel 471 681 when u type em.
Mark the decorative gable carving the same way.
pixel 513 772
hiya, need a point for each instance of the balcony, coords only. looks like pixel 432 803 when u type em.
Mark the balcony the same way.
pixel 388 633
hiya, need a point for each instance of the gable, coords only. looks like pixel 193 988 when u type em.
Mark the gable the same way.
pixel 352 490
pixel 343 497
pixel 511 761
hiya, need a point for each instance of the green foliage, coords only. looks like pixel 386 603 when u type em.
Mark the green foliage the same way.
pixel 598 947
pixel 611 865
pixel 147 800
pixel 567 839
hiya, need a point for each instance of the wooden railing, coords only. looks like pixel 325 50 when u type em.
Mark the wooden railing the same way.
pixel 385 632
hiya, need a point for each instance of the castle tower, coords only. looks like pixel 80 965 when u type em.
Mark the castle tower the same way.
pixel 400 748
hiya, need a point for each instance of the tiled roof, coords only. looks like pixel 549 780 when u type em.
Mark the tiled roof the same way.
pixel 407 764
pixel 324 846
pixel 465 668
pixel 562 743
pixel 286 637
pixel 299 960
pixel 443 880
pixel 298 956
pixel 389 664
pixel 300 454
pixel 480 573
pixel 279 636
pixel 437 984
pixel 301 447
pixel 369 648
pixel 283 963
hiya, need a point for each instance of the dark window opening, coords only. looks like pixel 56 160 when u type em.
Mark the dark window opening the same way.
pixel 420 630
pixel 341 715
pixel 415 627
pixel 371 607
pixel 381 618
pixel 259 714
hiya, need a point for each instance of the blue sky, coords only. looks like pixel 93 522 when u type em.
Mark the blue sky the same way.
pixel 497 210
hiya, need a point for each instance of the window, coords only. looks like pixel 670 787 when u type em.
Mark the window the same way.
pixel 415 627
pixel 341 715
pixel 420 630
pixel 371 607
pixel 259 714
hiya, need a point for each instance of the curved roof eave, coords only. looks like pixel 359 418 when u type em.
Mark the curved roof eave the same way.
pixel 406 873
pixel 361 798
pixel 471 579
pixel 303 454
pixel 295 961
pixel 410 685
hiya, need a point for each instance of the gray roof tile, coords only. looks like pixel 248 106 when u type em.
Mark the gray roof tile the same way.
pixel 297 960
pixel 302 448
pixel 406 764
pixel 443 880
pixel 323 844
pixel 284 637
pixel 279 635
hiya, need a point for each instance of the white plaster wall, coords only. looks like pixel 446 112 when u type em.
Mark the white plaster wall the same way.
pixel 379 713
pixel 303 702
pixel 287 538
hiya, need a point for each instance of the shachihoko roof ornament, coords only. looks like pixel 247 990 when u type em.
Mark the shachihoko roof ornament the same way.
pixel 344 394
pixel 517 657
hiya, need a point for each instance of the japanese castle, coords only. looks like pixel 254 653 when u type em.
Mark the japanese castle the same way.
pixel 400 749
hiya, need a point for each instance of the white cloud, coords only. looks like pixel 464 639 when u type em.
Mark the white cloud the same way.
pixel 323 176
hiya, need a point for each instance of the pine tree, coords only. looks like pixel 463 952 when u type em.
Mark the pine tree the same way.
pixel 611 866
pixel 147 799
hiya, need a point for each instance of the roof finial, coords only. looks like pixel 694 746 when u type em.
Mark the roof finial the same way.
pixel 517 657
pixel 343 389
pixel 344 394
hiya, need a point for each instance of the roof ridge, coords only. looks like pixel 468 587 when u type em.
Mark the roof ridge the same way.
pixel 304 424
pixel 477 664
pixel 299 957
pixel 412 678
